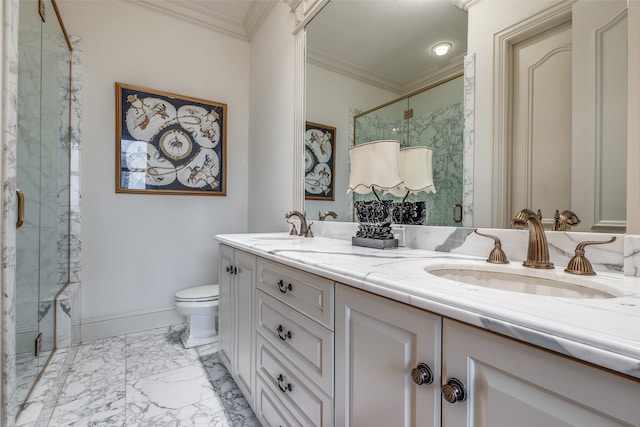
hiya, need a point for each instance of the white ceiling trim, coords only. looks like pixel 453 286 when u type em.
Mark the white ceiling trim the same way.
pixel 256 15
pixel 328 62
pixel 339 66
pixel 194 13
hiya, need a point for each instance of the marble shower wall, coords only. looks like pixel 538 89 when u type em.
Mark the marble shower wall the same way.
pixel 9 141
pixel 9 129
pixel 442 130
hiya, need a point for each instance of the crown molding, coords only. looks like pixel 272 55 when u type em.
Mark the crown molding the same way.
pixel 339 66
pixel 463 4
pixel 194 13
pixel 256 15
pixel 328 62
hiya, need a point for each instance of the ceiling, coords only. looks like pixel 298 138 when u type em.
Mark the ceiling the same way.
pixel 385 43
pixel 388 42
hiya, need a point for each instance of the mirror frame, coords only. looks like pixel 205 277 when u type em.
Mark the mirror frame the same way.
pixel 304 11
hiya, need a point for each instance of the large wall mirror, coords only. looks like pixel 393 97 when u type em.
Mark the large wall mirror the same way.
pixel 550 96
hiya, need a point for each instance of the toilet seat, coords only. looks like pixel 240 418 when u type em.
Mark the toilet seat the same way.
pixel 198 294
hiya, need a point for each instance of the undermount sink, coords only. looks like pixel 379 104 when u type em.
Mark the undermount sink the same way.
pixel 524 280
pixel 275 237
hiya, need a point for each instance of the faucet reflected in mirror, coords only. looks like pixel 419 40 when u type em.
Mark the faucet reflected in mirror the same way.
pixel 323 215
pixel 565 220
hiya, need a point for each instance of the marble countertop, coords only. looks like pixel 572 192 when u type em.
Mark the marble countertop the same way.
pixel 602 331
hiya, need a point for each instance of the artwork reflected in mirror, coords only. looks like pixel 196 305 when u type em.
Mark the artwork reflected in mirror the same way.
pixel 319 161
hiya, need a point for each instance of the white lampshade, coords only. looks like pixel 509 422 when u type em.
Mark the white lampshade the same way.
pixel 374 164
pixel 416 171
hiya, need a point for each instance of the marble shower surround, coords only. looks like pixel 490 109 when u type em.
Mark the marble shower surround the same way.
pixel 8 122
pixel 443 131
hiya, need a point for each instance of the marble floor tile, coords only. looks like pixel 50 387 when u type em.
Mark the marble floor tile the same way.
pixel 157 351
pixel 150 379
pixel 238 409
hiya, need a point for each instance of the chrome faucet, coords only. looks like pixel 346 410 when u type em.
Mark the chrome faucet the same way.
pixel 305 230
pixel 323 215
pixel 565 219
pixel 538 249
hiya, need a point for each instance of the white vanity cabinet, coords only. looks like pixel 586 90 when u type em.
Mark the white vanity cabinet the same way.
pixel 510 383
pixel 294 347
pixel 236 323
pixel 501 382
pixel 379 343
pixel 306 351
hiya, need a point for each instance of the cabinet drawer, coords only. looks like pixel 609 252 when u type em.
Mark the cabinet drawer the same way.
pixel 307 402
pixel 269 410
pixel 309 294
pixel 307 344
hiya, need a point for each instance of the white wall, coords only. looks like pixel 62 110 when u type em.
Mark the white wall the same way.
pixel 272 122
pixel 329 96
pixel 138 250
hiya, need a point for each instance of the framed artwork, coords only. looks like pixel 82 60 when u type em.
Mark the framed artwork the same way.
pixel 319 161
pixel 168 143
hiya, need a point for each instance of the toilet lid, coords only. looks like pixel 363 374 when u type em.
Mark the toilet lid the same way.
pixel 198 294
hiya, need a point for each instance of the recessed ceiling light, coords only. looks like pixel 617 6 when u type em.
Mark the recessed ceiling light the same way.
pixel 441 48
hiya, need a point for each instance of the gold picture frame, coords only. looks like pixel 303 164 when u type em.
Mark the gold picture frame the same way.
pixel 168 143
pixel 319 161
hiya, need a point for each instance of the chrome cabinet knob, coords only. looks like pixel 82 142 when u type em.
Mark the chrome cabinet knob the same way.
pixel 422 374
pixel 453 391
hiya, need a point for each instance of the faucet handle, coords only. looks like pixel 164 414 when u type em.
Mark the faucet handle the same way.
pixel 497 255
pixel 294 231
pixel 309 233
pixel 579 264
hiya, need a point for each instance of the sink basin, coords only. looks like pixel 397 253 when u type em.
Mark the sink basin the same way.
pixel 275 237
pixel 535 282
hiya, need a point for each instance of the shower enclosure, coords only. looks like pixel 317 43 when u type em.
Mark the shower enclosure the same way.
pixel 43 147
pixel 431 117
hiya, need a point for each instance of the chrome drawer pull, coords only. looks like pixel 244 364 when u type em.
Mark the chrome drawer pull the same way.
pixel 282 336
pixel 286 387
pixel 284 288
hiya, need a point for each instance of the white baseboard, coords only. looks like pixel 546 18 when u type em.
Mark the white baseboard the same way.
pixel 95 328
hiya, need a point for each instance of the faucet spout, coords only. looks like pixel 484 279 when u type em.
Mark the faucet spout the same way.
pixel 323 215
pixel 565 220
pixel 304 228
pixel 538 249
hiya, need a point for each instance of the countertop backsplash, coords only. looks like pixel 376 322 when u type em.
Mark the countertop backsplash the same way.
pixel 621 256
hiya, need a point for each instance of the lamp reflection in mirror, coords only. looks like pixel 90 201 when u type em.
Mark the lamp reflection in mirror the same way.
pixel 374 165
pixel 416 170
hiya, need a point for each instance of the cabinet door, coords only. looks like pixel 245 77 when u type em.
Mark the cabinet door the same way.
pixel 226 301
pixel 378 343
pixel 244 366
pixel 509 383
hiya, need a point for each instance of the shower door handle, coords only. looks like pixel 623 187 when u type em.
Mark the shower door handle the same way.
pixel 20 220
pixel 457 213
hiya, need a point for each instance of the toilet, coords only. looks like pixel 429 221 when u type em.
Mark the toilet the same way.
pixel 200 306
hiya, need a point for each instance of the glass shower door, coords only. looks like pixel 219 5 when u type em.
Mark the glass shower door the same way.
pixel 437 121
pixel 42 176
